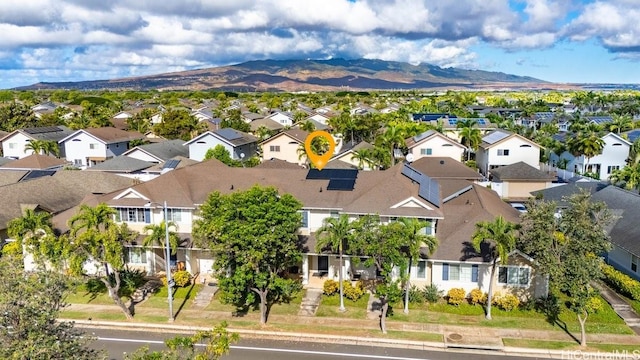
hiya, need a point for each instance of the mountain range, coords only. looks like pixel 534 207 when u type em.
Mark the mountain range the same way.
pixel 312 75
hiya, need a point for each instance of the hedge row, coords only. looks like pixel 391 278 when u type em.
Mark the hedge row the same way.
pixel 620 282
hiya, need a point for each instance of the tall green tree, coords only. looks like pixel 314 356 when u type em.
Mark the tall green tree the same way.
pixel 179 124
pixel 95 237
pixel 416 238
pixel 30 304
pixel 334 235
pixel 500 236
pixel 587 142
pixel 627 177
pixel 16 116
pixel 382 245
pixel 253 236
pixel 392 138
pixel 567 247
pixel 621 123
pixel 35 231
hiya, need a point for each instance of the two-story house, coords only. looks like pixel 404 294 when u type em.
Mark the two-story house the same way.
pixel 613 157
pixel 433 143
pixel 285 146
pixel 239 145
pixel 158 152
pixel 501 147
pixel 88 147
pixel 14 144
pixel 451 207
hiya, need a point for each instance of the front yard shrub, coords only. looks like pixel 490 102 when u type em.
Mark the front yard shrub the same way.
pixel 506 302
pixel 416 296
pixel 130 280
pixel 621 282
pixel 477 297
pixel 431 293
pixel 456 296
pixel 182 278
pixel 351 292
pixel 330 287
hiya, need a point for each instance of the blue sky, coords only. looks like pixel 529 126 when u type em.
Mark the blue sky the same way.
pixel 566 41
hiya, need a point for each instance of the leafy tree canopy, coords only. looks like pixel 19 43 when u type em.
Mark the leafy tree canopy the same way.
pixel 253 236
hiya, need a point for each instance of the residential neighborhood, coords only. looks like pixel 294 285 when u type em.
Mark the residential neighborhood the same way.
pixel 456 177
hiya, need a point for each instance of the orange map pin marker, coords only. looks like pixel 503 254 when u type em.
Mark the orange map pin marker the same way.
pixel 319 160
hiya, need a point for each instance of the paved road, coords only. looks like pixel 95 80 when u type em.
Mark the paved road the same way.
pixel 118 342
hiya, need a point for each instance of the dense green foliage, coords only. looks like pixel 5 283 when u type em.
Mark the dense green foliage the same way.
pixel 29 328
pixel 253 237
pixel 620 282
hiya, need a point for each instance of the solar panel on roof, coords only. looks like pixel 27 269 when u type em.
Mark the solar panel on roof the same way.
pixel 633 135
pixel 330 174
pixel 424 135
pixel 494 137
pixel 453 122
pixel 228 134
pixel 41 130
pixel 428 188
pixel 34 174
pixel 171 164
pixel 341 184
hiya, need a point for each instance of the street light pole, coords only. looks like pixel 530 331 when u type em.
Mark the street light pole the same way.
pixel 168 262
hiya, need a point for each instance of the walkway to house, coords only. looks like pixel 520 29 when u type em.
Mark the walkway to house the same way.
pixel 373 307
pixel 620 306
pixel 205 296
pixel 310 302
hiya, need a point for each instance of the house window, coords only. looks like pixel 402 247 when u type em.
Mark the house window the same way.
pixel 139 215
pixel 305 218
pixel 335 214
pixel 513 275
pixel 274 148
pixel 503 152
pixel 93 146
pixel 612 168
pixel 426 151
pixel 460 272
pixel 12 145
pixel 422 269
pixel 136 256
pixel 174 215
pixel 634 263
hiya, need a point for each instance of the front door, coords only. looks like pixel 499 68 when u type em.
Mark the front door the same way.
pixel 323 263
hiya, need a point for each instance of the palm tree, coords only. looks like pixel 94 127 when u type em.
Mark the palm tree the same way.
pixel 29 229
pixel 50 147
pixel 469 135
pixel 587 143
pixel 392 138
pixel 499 234
pixel 629 175
pixel 99 219
pixel 157 234
pixel 334 234
pixel 307 126
pixel 634 153
pixel 364 157
pixel 36 146
pixel 621 123
pixel 415 238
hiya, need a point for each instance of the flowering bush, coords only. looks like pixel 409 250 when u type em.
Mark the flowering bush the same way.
pixel 456 296
pixel 477 297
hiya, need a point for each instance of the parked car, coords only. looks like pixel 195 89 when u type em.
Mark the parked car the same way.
pixel 520 207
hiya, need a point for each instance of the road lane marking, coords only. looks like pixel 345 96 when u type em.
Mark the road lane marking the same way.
pixel 253 348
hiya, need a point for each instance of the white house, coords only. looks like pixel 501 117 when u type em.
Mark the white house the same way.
pixel 14 144
pixel 88 147
pixel 501 147
pixel 613 157
pixel 452 208
pixel 240 145
pixel 433 143
pixel 282 118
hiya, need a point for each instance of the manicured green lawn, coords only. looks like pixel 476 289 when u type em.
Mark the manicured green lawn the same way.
pixel 604 321
pixel 180 295
pixel 330 307
pixel 81 296
pixel 290 308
